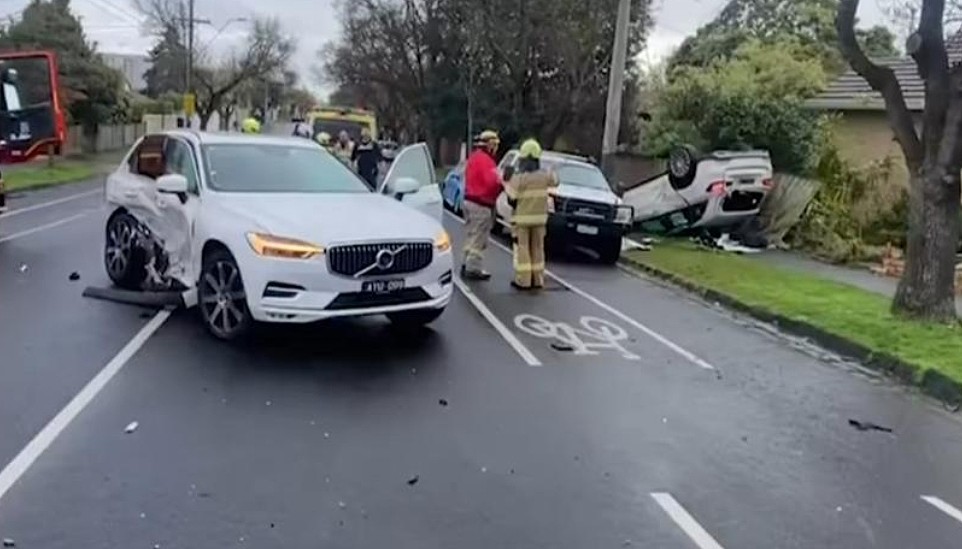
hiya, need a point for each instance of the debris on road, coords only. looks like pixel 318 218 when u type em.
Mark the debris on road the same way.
pixel 268 403
pixel 342 505
pixel 7 542
pixel 74 276
pixel 327 435
pixel 414 480
pixel 868 426
pixel 131 427
pixel 564 347
pixel 23 267
pixel 443 402
pixel 484 469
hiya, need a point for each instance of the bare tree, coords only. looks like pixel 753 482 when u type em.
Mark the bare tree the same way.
pixel 904 14
pixel 267 51
pixel 934 158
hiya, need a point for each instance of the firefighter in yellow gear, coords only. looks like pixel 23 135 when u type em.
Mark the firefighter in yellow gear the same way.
pixel 527 193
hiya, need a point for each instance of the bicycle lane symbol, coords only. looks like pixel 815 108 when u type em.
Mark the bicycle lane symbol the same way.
pixel 593 334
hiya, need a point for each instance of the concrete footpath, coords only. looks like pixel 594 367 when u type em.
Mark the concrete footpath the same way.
pixel 859 278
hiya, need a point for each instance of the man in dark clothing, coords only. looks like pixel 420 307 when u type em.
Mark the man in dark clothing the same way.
pixel 367 158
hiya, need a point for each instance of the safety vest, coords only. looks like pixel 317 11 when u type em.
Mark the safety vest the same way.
pixel 529 191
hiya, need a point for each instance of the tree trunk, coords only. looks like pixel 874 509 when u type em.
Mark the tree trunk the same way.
pixel 204 116
pixel 927 288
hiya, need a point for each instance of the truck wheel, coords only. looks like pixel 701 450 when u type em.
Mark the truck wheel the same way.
pixel 124 260
pixel 610 252
pixel 682 166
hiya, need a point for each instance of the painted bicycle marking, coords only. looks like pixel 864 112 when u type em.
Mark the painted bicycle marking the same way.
pixel 593 335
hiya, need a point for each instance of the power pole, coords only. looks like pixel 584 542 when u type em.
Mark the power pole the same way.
pixel 616 84
pixel 190 45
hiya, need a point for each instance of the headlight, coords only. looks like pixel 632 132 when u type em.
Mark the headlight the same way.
pixel 442 242
pixel 624 215
pixel 279 246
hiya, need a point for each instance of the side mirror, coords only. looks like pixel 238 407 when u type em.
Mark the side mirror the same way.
pixel 173 183
pixel 405 185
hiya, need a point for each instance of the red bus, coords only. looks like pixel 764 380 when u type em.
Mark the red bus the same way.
pixel 31 116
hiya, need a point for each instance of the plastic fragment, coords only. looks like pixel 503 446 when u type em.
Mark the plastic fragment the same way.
pixel 562 347
pixel 443 402
pixel 327 435
pixel 268 403
pixel 74 276
pixel 23 268
pixel 414 480
pixel 131 427
pixel 868 426
pixel 7 542
pixel 342 505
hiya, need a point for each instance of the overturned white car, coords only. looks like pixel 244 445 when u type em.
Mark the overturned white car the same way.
pixel 275 229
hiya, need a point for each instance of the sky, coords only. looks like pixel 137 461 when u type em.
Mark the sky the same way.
pixel 116 26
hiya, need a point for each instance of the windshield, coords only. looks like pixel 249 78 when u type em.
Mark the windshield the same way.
pixel 578 175
pixel 335 127
pixel 256 168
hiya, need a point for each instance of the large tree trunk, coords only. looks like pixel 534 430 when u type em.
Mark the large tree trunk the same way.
pixel 204 115
pixel 927 288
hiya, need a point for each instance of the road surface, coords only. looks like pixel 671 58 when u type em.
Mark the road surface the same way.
pixel 607 411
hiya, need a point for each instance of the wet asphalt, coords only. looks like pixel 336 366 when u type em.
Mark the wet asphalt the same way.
pixel 350 434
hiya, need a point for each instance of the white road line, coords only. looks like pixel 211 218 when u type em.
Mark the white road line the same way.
pixel 43 227
pixel 496 323
pixel 19 465
pixel 944 507
pixel 42 205
pixel 685 521
pixel 678 349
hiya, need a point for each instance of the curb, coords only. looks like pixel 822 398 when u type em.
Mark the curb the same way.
pixel 932 383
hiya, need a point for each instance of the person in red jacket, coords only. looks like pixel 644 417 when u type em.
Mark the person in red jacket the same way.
pixel 482 185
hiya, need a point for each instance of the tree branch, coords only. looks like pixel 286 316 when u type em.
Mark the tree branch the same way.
pixel 927 47
pixel 881 79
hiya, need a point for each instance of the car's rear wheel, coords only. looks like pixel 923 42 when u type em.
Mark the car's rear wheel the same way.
pixel 123 258
pixel 221 296
pixel 610 251
pixel 415 318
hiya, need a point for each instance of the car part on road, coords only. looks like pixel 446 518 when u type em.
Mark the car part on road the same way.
pixel 131 427
pixel 74 276
pixel 868 426
pixel 160 299
pixel 221 296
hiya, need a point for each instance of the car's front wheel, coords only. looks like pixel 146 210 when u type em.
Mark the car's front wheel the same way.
pixel 124 260
pixel 221 296
pixel 610 251
pixel 415 318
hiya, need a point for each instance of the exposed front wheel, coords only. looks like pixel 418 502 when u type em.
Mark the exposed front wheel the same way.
pixel 415 318
pixel 221 296
pixel 124 260
pixel 610 252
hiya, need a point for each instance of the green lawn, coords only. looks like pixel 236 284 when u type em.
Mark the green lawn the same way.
pixel 852 313
pixel 41 175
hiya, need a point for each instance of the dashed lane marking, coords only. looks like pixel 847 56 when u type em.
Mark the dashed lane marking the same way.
pixel 678 349
pixel 685 521
pixel 33 450
pixel 51 225
pixel 944 507
pixel 47 204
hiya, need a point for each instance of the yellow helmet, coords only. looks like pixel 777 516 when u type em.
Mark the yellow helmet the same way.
pixel 251 125
pixel 324 138
pixel 530 149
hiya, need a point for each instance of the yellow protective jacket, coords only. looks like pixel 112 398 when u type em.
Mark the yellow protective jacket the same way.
pixel 529 193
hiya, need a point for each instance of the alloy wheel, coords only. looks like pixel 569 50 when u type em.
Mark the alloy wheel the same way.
pixel 120 243
pixel 222 298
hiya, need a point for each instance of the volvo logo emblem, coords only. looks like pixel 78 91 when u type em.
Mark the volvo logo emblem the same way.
pixel 384 259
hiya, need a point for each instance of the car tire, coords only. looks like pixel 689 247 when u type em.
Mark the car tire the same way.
pixel 415 318
pixel 682 167
pixel 610 252
pixel 221 297
pixel 124 259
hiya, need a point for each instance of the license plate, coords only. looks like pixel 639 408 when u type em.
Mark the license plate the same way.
pixel 587 229
pixel 382 286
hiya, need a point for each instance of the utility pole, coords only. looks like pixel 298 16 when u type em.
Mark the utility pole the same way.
pixel 616 84
pixel 190 46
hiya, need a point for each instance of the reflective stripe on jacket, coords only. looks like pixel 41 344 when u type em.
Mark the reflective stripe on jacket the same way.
pixel 529 191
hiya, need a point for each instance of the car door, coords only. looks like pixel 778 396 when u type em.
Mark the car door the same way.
pixel 414 161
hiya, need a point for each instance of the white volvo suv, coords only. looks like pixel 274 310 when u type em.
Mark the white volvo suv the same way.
pixel 275 229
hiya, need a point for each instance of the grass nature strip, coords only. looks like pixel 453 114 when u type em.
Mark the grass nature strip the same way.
pixel 851 313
